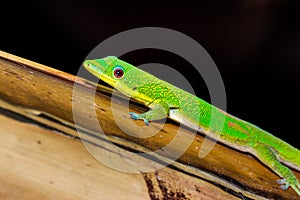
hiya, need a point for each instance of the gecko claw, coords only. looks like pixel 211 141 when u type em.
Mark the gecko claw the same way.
pixel 284 187
pixel 135 116
pixel 283 184
pixel 281 181
pixel 146 122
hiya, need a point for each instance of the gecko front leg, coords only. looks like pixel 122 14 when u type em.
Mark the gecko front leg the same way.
pixel 159 111
pixel 268 156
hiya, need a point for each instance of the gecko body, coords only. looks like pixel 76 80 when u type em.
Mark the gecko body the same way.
pixel 166 100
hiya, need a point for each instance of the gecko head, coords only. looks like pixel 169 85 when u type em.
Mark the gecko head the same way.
pixel 101 68
pixel 117 73
pixel 110 70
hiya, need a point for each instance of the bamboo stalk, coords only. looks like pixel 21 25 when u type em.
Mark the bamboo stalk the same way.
pixel 44 96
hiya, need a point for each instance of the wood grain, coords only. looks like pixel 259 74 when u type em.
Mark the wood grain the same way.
pixel 45 96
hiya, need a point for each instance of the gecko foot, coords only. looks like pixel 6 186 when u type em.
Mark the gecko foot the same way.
pixel 136 116
pixel 284 184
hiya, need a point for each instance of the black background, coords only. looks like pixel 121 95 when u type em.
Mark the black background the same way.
pixel 254 43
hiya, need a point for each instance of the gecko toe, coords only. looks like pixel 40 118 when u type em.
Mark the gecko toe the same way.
pixel 283 184
pixel 133 115
pixel 284 187
pixel 281 181
pixel 146 122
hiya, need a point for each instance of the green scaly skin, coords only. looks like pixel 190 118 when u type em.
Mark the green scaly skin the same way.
pixel 166 100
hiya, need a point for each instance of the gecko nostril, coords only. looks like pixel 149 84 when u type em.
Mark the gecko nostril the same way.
pixel 134 88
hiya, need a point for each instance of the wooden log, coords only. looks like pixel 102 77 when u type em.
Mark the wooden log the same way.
pixel 39 162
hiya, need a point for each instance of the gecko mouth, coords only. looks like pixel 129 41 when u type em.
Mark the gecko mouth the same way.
pixel 93 67
pixel 98 68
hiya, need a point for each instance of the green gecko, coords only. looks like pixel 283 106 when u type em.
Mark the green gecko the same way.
pixel 166 100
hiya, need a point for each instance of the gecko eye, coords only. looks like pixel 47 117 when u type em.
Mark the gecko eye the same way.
pixel 118 72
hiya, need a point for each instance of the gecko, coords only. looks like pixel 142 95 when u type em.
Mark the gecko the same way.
pixel 166 100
